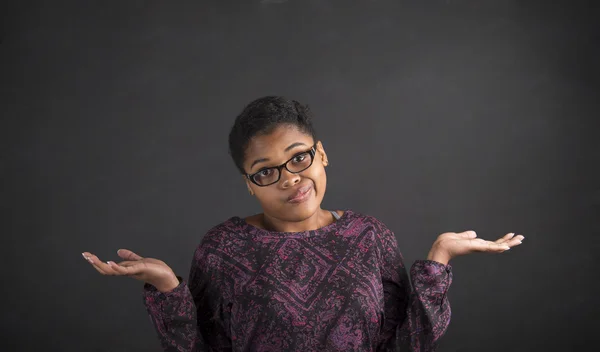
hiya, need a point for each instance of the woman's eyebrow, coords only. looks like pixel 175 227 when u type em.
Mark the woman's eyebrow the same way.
pixel 290 147
pixel 294 145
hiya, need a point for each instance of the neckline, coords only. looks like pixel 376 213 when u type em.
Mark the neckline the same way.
pixel 253 230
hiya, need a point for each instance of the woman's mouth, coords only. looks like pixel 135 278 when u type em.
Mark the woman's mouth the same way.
pixel 301 194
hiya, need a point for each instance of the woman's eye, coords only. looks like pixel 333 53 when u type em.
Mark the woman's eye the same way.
pixel 300 158
pixel 265 172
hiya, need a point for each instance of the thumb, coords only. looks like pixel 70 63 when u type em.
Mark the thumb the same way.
pixel 467 234
pixel 128 255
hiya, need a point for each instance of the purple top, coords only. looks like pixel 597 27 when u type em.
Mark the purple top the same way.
pixel 342 287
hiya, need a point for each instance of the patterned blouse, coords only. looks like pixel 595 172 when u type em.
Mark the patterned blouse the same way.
pixel 342 287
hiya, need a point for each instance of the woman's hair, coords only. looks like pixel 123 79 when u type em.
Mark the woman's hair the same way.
pixel 261 117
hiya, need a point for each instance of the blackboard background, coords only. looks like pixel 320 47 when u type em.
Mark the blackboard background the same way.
pixel 436 116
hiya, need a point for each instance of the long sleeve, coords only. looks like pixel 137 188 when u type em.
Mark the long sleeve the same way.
pixel 210 285
pixel 194 316
pixel 415 319
pixel 174 317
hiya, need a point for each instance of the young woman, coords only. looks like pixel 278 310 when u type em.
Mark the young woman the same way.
pixel 297 277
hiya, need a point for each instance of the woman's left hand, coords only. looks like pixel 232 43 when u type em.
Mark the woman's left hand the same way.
pixel 450 245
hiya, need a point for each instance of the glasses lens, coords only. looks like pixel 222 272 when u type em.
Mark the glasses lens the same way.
pixel 266 176
pixel 297 164
pixel 300 162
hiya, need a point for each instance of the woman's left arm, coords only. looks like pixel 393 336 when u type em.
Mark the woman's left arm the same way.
pixel 415 319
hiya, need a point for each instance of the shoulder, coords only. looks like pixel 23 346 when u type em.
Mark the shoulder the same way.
pixel 213 264
pixel 357 219
pixel 224 231
pixel 380 232
pixel 381 236
pixel 221 237
pixel 221 244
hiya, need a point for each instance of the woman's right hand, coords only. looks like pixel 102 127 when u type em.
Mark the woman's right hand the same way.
pixel 152 271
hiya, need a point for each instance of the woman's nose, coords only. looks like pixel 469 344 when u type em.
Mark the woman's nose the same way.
pixel 289 179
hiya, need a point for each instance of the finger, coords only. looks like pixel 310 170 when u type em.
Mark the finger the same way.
pixel 91 258
pixel 505 238
pixel 128 255
pixel 87 256
pixel 102 267
pixel 517 240
pixel 99 269
pixel 488 246
pixel 467 234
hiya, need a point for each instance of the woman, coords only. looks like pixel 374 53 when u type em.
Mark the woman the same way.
pixel 297 277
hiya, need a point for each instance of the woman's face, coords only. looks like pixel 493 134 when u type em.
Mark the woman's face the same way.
pixel 296 196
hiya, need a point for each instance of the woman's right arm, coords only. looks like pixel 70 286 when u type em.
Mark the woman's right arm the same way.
pixel 194 316
pixel 173 314
pixel 185 317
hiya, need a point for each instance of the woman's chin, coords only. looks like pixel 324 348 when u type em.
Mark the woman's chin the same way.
pixel 303 211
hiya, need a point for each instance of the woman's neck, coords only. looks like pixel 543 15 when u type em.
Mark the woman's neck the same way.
pixel 318 220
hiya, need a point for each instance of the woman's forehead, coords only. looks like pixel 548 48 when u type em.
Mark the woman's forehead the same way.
pixel 277 141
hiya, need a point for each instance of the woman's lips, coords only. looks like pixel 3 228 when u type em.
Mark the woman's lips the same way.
pixel 301 194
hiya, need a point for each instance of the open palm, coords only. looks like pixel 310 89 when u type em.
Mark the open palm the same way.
pixel 450 244
pixel 150 270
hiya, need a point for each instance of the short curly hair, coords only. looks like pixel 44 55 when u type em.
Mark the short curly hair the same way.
pixel 261 117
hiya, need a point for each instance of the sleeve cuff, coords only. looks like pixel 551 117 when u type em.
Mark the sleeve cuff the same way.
pixel 152 294
pixel 432 263
pixel 432 274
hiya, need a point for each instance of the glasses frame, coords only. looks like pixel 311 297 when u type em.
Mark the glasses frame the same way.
pixel 312 152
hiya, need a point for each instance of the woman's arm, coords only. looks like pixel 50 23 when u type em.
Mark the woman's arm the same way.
pixel 174 317
pixel 415 319
pixel 194 316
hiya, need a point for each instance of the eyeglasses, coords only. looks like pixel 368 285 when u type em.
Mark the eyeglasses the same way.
pixel 298 163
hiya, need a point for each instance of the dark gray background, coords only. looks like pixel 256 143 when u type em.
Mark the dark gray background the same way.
pixel 436 115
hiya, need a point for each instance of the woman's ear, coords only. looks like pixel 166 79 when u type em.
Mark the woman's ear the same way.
pixel 248 185
pixel 321 151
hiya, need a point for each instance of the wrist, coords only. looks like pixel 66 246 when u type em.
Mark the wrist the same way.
pixel 439 256
pixel 168 284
